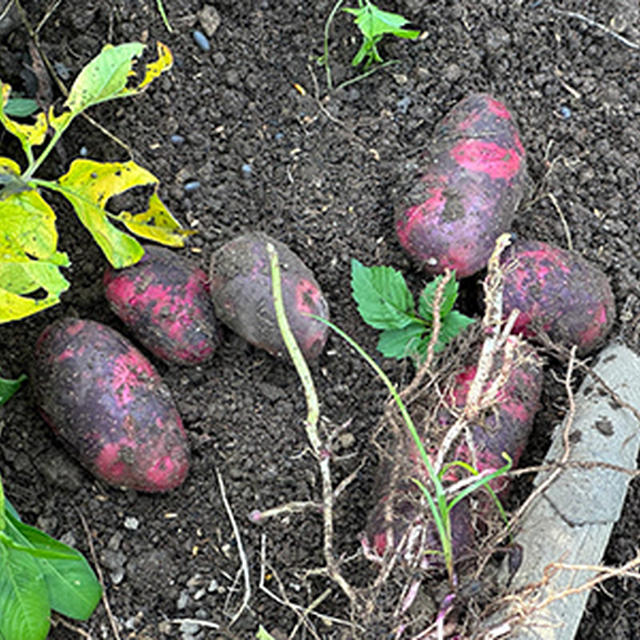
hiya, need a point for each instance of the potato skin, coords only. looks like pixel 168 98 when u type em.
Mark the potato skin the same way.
pixel 504 428
pixel 165 303
pixel 240 283
pixel 559 292
pixel 472 180
pixel 103 398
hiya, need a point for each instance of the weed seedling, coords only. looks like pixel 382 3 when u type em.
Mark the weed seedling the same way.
pixel 30 276
pixel 374 24
pixel 385 303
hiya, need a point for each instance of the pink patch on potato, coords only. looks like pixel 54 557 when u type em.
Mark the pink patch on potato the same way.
pixel 165 303
pixel 472 180
pixel 558 292
pixel 110 407
pixel 241 290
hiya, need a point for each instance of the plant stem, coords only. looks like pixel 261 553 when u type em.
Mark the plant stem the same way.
pixel 311 424
pixel 164 16
pixel 325 56
pixel 34 166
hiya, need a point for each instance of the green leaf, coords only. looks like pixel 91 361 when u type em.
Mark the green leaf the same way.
pixel 106 76
pixel 383 298
pixel 24 599
pixel 7 389
pixel 449 296
pixel 451 325
pixel 401 343
pixel 30 135
pixel 263 634
pixel 20 107
pixel 73 588
pixel 374 24
pixel 88 185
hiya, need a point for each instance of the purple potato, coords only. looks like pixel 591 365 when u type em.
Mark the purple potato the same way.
pixel 401 522
pixel 471 182
pixel 240 283
pixel 165 303
pixel 103 398
pixel 558 292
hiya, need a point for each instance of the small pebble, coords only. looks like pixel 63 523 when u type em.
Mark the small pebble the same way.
pixel 83 151
pixel 183 600
pixel 62 70
pixel 191 186
pixel 202 41
pixel 403 104
pixel 213 585
pixel 209 19
pixel 177 139
pixel 278 136
pixel 246 169
pixel 565 112
pixel 189 628
pixel 117 576
pixel 131 523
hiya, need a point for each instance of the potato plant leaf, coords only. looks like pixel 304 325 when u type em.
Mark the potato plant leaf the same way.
pixel 30 135
pixel 7 389
pixel 73 588
pixel 24 598
pixel 384 300
pixel 29 260
pixel 156 223
pixel 401 343
pixel 88 185
pixel 105 78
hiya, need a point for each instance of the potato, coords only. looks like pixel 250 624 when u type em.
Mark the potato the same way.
pixel 103 398
pixel 471 183
pixel 400 519
pixel 165 303
pixel 557 292
pixel 240 283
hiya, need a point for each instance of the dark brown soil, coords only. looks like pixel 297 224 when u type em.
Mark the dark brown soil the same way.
pixel 320 171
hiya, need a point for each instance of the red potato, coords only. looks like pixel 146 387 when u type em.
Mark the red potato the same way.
pixel 103 398
pixel 240 283
pixel 403 523
pixel 471 183
pixel 165 303
pixel 559 292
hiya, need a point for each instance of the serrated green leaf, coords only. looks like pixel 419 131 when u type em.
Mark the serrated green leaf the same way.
pixel 7 389
pixel 401 343
pixel 451 325
pixel 88 185
pixel 374 22
pixel 449 297
pixel 383 298
pixel 24 599
pixel 73 588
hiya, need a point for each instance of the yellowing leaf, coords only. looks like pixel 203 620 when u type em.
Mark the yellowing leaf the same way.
pixel 30 135
pixel 154 69
pixel 29 260
pixel 104 77
pixel 156 223
pixel 88 185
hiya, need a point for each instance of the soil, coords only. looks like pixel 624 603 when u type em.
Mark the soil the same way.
pixel 274 150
